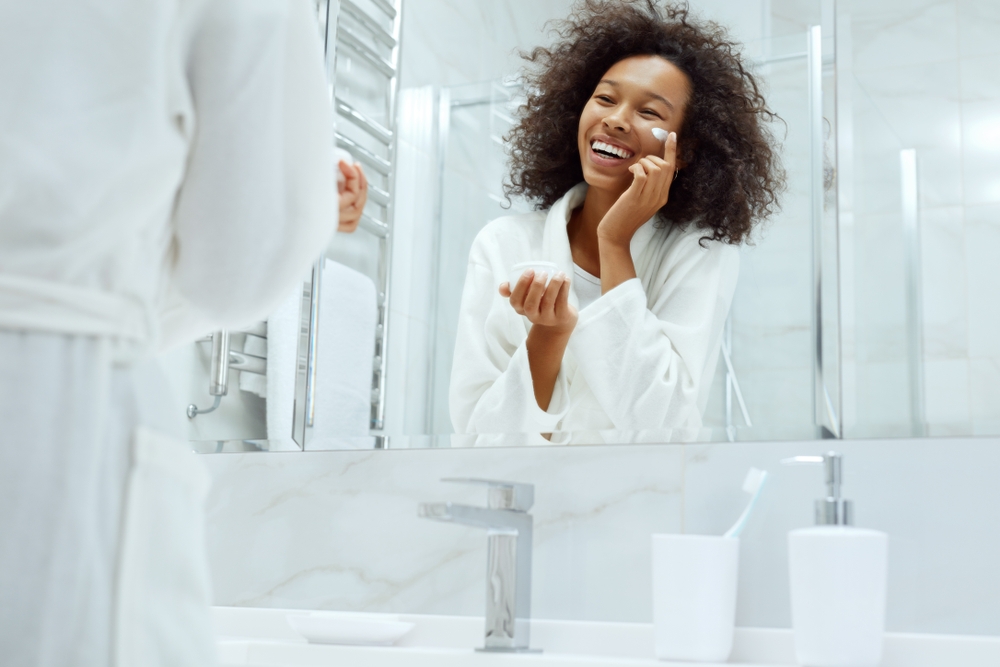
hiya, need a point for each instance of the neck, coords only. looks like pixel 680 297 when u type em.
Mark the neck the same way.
pixel 582 229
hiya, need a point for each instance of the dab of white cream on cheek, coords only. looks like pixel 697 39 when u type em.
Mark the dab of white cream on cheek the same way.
pixel 660 133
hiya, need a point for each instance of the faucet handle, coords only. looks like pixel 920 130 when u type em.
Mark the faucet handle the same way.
pixel 502 495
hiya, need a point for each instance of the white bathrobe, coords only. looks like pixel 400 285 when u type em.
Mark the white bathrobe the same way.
pixel 165 170
pixel 640 360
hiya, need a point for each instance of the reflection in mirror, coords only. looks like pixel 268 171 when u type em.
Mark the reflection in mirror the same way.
pixel 819 334
pixel 642 232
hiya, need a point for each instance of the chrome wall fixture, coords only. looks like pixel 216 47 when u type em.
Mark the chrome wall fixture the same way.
pixel 914 295
pixel 223 358
pixel 509 529
pixel 827 419
pixel 354 36
pixel 351 34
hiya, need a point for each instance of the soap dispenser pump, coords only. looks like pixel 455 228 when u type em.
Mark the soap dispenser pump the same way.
pixel 837 577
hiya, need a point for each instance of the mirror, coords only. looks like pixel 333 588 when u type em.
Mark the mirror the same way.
pixel 823 338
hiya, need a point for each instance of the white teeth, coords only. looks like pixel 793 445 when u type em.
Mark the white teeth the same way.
pixel 608 148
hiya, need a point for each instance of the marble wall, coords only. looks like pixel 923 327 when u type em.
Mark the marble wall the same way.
pixel 339 530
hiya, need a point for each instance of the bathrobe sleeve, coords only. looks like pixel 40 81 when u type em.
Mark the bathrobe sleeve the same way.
pixel 644 358
pixel 258 202
pixel 491 390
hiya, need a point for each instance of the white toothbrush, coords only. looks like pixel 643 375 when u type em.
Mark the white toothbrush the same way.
pixel 753 484
pixel 660 133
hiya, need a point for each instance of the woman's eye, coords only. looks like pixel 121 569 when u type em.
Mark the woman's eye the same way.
pixel 604 98
pixel 650 112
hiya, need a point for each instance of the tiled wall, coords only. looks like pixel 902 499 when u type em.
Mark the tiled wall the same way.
pixel 928 71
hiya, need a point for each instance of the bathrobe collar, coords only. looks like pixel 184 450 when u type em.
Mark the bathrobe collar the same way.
pixel 555 241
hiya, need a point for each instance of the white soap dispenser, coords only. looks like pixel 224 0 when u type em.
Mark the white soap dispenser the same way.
pixel 837 575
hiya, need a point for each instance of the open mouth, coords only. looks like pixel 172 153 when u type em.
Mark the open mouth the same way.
pixel 609 151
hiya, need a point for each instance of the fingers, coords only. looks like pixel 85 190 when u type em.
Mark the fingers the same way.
pixel 551 296
pixel 659 173
pixel 527 296
pixel 638 178
pixel 670 148
pixel 505 290
pixel 562 298
pixel 520 291
pixel 348 225
pixel 350 176
pixel 362 188
pixel 534 297
pixel 352 196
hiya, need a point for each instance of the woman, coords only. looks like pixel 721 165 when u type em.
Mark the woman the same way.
pixel 165 170
pixel 649 236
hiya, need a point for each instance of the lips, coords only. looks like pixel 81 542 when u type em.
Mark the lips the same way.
pixel 605 149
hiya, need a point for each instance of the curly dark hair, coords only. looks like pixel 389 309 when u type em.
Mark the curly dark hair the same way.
pixel 732 178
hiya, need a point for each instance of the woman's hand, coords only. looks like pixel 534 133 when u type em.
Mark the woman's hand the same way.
pixel 648 193
pixel 546 307
pixel 553 320
pixel 353 196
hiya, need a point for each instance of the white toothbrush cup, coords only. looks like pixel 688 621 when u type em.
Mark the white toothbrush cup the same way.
pixel 694 596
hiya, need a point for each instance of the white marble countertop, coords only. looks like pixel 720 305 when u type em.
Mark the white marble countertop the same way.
pixel 262 637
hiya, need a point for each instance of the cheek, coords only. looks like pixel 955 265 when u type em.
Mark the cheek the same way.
pixel 588 118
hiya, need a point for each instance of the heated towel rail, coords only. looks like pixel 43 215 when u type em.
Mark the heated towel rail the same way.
pixel 362 41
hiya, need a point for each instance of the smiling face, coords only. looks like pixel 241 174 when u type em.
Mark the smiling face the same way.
pixel 616 127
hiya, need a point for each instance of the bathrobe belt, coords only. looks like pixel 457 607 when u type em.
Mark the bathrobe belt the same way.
pixel 33 304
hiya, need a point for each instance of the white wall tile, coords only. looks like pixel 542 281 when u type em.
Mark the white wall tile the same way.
pixel 946 388
pixel 982 247
pixel 978 27
pixel 920 102
pixel 984 390
pixel 981 152
pixel 903 32
pixel 979 81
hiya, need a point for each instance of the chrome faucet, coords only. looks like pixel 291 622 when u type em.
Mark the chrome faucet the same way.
pixel 508 558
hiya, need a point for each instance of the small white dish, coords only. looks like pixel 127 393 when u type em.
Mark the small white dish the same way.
pixel 518 270
pixel 330 627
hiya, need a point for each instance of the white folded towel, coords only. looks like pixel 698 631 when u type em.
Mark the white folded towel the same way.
pixel 347 321
pixel 344 354
pixel 255 383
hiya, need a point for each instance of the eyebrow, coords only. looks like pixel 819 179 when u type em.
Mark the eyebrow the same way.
pixel 614 84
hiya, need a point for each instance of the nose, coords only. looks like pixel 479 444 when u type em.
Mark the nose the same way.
pixel 615 120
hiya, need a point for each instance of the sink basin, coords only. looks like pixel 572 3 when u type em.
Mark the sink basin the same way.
pixel 263 637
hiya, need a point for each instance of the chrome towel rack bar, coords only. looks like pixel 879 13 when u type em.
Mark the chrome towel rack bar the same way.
pixel 375 129
pixel 378 195
pixel 360 35
pixel 386 8
pixel 346 37
pixel 381 165
pixel 373 226
pixel 359 15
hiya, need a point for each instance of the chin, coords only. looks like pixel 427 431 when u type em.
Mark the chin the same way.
pixel 604 181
